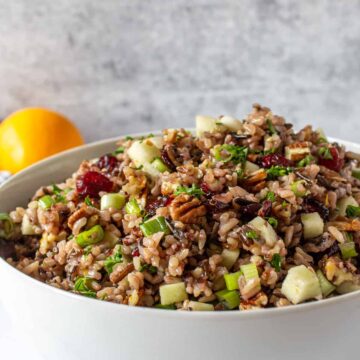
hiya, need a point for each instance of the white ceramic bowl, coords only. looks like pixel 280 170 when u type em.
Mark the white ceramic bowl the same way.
pixel 62 325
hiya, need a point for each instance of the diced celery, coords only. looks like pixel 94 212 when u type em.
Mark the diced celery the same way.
pixel 229 257
pixel 90 237
pixel 231 280
pixel 26 227
pixel 356 173
pixel 347 287
pixel 142 152
pixel 343 203
pixel 326 286
pixel 265 229
pixel 313 225
pixel 348 250
pixel 172 293
pixel 250 167
pixel 297 187
pixel 205 124
pixel 199 306
pixel 230 298
pixel 159 165
pixel 113 201
pixel 132 207
pixel 46 202
pixel 154 226
pixel 301 284
pixel 250 271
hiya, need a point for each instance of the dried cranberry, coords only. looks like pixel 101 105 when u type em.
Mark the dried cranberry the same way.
pixel 135 252
pixel 205 188
pixel 336 163
pixel 310 205
pixel 216 206
pixel 91 183
pixel 265 210
pixel 153 205
pixel 247 209
pixel 108 162
pixel 270 160
pixel 166 159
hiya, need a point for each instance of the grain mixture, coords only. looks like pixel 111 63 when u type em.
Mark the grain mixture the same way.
pixel 244 214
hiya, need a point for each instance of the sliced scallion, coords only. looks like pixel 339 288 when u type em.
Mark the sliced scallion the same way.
pixel 230 298
pixel 90 237
pixel 159 165
pixel 297 187
pixel 348 250
pixel 231 280
pixel 154 226
pixel 7 223
pixel 326 286
pixel 83 285
pixel 46 202
pixel 112 201
pixel 132 207
pixel 250 271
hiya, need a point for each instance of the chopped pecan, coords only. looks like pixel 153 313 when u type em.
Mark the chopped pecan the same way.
pixel 256 177
pixel 346 225
pixel 82 212
pixel 297 151
pixel 120 272
pixel 186 209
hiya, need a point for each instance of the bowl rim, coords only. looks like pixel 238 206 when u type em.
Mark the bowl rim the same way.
pixel 228 315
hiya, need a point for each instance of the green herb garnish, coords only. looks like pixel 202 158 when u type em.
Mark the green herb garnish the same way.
pixel 251 234
pixel 275 171
pixel 271 127
pixel 119 150
pixel 83 285
pixel 129 138
pixel 353 211
pixel 226 153
pixel 276 262
pixel 88 201
pixel 270 196
pixel 273 222
pixel 325 153
pixel 111 261
pixel 59 197
pixel 194 190
pixel 305 161
pixel 149 268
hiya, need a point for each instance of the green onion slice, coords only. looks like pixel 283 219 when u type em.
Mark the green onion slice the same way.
pixel 250 271
pixel 231 280
pixel 112 201
pixel 159 165
pixel 348 250
pixel 46 202
pixel 90 237
pixel 83 285
pixel 326 286
pixel 230 298
pixel 8 225
pixel 154 226
pixel 132 207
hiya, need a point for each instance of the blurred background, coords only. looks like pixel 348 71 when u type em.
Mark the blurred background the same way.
pixel 116 67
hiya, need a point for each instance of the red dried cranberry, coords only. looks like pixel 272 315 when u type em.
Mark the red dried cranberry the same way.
pixel 265 210
pixel 336 163
pixel 135 252
pixel 166 159
pixel 108 162
pixel 310 205
pixel 270 160
pixel 91 183
pixel 205 188
pixel 153 205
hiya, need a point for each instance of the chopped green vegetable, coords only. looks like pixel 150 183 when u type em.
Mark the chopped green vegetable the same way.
pixel 194 190
pixel 90 237
pixel 356 173
pixel 325 153
pixel 348 250
pixel 119 150
pixel 271 127
pixel 166 307
pixel 265 230
pixel 129 138
pixel 112 201
pixel 250 271
pixel 297 187
pixel 172 293
pixel 276 262
pixel 226 153
pixel 159 165
pixel 276 170
pixel 344 202
pixel 149 268
pixel 326 286
pixel 313 225
pixel 46 202
pixel 273 222
pixel 111 261
pixel 59 197
pixel 199 306
pixel 83 285
pixel 231 280
pixel 353 211
pixel 132 207
pixel 270 196
pixel 154 226
pixel 230 298
pixel 251 234
pixel 305 161
pixel 7 223
pixel 88 201
pixel 229 257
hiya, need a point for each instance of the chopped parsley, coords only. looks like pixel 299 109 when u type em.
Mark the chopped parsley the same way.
pixel 325 153
pixel 149 268
pixel 271 127
pixel 129 138
pixel 276 262
pixel 194 190
pixel 119 150
pixel 251 234
pixel 305 161
pixel 87 250
pixel 353 211
pixel 88 201
pixel 59 197
pixel 270 196
pixel 83 286
pixel 111 261
pixel 276 170
pixel 273 222
pixel 227 152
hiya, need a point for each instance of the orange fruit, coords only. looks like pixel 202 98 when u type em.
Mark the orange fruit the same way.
pixel 32 134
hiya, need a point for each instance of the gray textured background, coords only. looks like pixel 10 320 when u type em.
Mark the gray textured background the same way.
pixel 122 66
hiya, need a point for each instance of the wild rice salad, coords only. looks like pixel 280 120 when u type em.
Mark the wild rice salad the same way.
pixel 246 214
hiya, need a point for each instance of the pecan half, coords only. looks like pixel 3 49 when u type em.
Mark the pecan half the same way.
pixel 120 272
pixel 187 209
pixel 82 212
pixel 297 151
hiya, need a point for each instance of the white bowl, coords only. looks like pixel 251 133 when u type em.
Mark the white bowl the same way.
pixel 62 325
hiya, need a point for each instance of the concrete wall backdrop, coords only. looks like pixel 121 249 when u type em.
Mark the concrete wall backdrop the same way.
pixel 122 66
